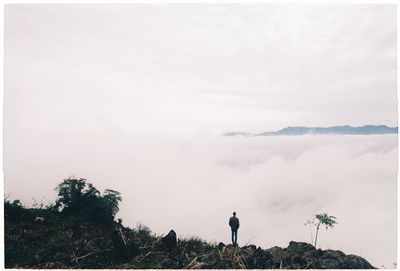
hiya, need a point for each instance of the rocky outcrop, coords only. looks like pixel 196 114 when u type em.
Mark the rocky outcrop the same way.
pixel 66 243
pixel 169 241
pixel 299 255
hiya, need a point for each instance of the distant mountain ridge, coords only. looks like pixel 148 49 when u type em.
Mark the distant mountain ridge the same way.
pixel 333 130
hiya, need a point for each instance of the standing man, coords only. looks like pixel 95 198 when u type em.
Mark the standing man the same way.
pixel 234 223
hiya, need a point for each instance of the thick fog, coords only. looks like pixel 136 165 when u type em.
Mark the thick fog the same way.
pixel 134 98
pixel 192 184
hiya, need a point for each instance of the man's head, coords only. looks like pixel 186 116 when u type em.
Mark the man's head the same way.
pixel 234 213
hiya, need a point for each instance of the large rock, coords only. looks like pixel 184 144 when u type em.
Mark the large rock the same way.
pixel 169 241
pixel 332 259
pixel 326 259
pixel 299 255
pixel 300 247
pixel 353 261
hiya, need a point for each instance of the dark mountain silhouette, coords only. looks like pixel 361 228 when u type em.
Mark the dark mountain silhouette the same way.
pixel 334 130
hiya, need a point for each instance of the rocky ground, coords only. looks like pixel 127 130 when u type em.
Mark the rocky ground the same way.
pixel 70 243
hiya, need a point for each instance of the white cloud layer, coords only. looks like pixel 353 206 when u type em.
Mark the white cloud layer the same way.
pixel 193 184
pixel 103 91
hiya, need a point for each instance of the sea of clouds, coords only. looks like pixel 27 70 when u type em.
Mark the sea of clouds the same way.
pixel 192 184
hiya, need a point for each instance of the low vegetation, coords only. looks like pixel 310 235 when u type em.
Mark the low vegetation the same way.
pixel 324 219
pixel 80 231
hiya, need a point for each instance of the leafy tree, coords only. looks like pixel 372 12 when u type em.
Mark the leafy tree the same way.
pixel 321 219
pixel 112 199
pixel 73 193
pixel 79 198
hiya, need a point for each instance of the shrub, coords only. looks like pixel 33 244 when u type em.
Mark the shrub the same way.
pixel 322 219
pixel 14 211
pixel 78 198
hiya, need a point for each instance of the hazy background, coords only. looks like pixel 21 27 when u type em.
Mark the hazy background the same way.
pixel 135 98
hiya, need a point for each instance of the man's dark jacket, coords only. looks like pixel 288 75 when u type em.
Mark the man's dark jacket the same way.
pixel 234 223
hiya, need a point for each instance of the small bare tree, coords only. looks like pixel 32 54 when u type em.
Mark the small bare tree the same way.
pixel 321 219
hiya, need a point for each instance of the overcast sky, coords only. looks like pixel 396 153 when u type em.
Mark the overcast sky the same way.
pixel 134 98
pixel 198 68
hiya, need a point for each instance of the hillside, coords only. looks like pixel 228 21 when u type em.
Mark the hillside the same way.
pixel 80 231
pixel 334 130
pixel 74 243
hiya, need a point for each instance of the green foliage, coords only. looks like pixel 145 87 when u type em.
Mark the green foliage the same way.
pixel 143 233
pixel 326 220
pixel 143 229
pixel 73 194
pixel 78 198
pixel 15 204
pixel 78 230
pixel 195 244
pixel 111 200
pixel 14 211
pixel 321 219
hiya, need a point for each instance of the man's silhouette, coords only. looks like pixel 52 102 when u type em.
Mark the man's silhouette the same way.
pixel 234 223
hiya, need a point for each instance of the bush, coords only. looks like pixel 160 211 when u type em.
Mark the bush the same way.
pixel 82 200
pixel 14 211
pixel 195 244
